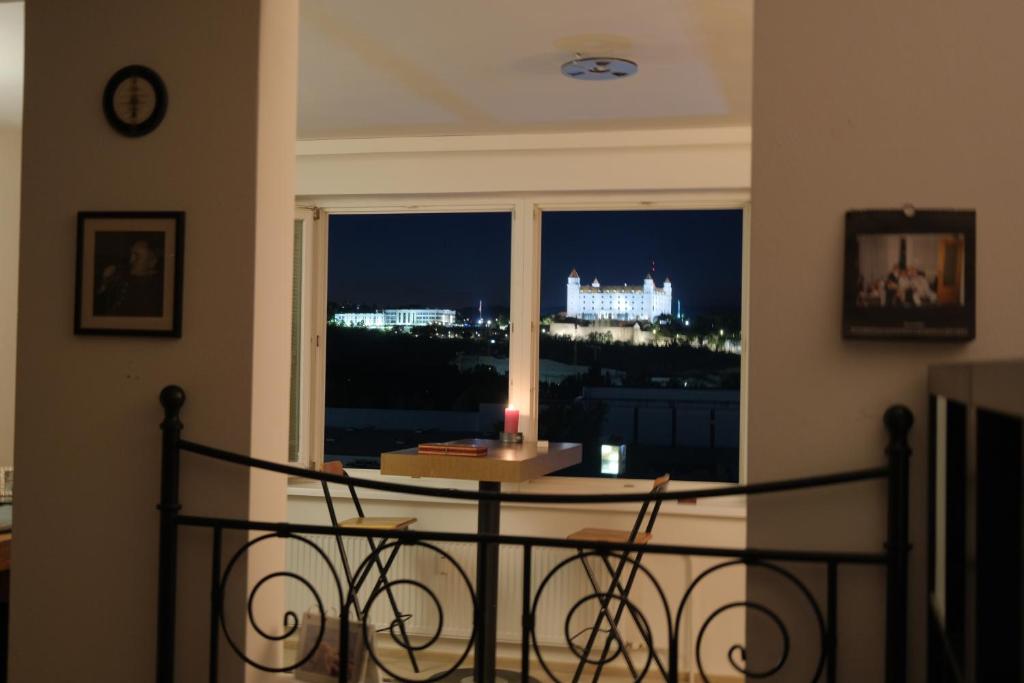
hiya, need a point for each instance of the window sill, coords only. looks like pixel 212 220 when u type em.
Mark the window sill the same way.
pixel 728 507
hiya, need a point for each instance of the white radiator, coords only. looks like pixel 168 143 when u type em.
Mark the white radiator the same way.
pixel 420 564
pixel 432 570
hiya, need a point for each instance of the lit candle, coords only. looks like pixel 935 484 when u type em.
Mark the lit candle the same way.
pixel 511 420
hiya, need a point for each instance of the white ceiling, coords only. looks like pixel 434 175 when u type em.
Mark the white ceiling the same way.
pixel 12 61
pixel 370 68
pixel 384 67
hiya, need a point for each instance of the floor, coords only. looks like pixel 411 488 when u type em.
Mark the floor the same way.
pixel 508 659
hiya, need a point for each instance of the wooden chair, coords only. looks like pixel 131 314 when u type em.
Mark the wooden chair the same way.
pixel 361 521
pixel 639 534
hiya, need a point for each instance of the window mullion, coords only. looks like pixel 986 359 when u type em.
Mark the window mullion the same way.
pixel 524 314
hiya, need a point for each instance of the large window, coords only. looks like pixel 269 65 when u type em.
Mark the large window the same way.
pixel 618 329
pixel 640 341
pixel 417 332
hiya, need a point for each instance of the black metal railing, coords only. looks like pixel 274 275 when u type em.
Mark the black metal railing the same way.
pixel 660 662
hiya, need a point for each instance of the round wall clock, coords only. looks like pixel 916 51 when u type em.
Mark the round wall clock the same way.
pixel 135 100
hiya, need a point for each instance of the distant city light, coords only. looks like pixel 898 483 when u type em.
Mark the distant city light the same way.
pixel 612 458
pixel 721 333
pixel 394 318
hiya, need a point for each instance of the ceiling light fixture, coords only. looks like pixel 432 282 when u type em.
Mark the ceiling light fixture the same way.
pixel 599 68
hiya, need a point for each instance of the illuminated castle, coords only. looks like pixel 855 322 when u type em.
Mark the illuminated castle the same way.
pixel 628 302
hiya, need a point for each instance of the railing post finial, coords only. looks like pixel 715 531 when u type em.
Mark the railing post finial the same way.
pixel 898 420
pixel 172 398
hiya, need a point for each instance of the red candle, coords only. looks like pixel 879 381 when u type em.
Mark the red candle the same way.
pixel 511 420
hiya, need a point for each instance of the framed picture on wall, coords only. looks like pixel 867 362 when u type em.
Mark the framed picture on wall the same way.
pixel 909 275
pixel 129 273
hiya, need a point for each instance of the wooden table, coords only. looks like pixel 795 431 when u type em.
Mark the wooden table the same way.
pixel 503 463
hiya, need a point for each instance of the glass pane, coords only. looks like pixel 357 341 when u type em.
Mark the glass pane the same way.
pixel 417 334
pixel 640 341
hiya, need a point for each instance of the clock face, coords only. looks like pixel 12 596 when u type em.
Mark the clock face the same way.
pixel 135 101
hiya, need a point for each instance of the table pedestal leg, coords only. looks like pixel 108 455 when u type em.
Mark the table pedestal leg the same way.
pixel 486 617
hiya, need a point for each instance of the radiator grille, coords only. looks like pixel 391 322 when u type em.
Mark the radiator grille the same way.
pixel 432 570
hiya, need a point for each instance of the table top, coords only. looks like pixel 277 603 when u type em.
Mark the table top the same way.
pixel 506 463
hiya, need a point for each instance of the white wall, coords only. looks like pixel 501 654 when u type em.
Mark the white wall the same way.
pixel 10 207
pixel 87 442
pixel 615 161
pixel 868 104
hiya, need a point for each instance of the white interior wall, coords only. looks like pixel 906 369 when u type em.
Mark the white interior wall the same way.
pixel 10 209
pixel 612 161
pixel 87 442
pixel 870 104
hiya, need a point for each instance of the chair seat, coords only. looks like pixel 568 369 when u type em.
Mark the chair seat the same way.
pixel 607 536
pixel 379 523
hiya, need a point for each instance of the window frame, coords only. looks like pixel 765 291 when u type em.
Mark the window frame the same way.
pixel 311 333
pixel 526 211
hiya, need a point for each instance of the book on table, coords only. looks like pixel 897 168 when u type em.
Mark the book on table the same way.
pixel 452 448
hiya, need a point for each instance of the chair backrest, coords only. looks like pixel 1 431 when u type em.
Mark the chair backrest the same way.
pixel 645 522
pixel 333 467
pixel 337 468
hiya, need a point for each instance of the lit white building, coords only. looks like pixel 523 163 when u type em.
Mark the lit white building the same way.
pixel 397 317
pixel 628 302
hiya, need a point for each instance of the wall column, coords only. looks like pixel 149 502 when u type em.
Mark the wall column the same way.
pixel 87 439
pixel 871 104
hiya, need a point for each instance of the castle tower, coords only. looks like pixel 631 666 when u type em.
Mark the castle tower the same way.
pixel 647 310
pixel 572 295
pixel 665 307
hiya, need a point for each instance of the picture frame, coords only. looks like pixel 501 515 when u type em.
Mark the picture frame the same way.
pixel 909 274
pixel 128 273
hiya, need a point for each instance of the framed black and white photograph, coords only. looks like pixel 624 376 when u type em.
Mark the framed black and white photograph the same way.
pixel 909 275
pixel 129 273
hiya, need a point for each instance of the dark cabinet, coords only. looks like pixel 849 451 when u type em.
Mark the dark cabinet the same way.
pixel 976 522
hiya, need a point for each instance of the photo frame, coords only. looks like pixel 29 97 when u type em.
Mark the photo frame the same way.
pixel 909 274
pixel 128 274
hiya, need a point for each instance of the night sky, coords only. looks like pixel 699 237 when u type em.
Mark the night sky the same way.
pixel 454 260
pixel 444 260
